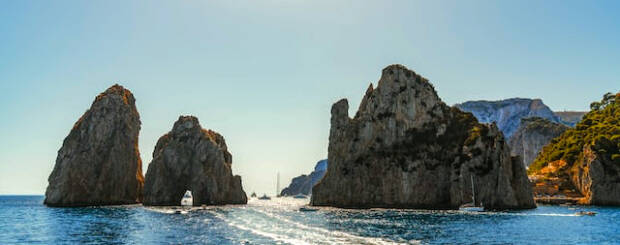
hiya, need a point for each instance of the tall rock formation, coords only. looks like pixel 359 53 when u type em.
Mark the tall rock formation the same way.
pixel 303 184
pixel 99 162
pixel 192 158
pixel 532 135
pixel 405 148
pixel 508 113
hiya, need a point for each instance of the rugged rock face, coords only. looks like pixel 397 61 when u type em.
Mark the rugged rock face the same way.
pixel 532 135
pixel 99 162
pixel 303 184
pixel 597 177
pixel 192 158
pixel 508 113
pixel 405 148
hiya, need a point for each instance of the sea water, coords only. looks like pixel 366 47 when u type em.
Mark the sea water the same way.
pixel 24 219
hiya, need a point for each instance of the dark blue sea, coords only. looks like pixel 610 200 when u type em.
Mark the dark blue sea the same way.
pixel 25 220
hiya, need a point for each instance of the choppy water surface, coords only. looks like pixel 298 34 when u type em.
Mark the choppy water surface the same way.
pixel 23 219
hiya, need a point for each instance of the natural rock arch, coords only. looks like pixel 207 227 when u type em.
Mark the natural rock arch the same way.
pixel 192 158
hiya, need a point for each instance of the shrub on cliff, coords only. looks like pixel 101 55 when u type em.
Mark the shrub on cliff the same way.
pixel 598 128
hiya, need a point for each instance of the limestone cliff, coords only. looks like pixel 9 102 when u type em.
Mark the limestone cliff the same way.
pixel 508 113
pixel 585 159
pixel 405 148
pixel 192 158
pixel 532 135
pixel 303 184
pixel 99 162
pixel 597 177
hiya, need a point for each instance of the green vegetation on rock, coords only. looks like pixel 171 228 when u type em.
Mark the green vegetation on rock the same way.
pixel 599 128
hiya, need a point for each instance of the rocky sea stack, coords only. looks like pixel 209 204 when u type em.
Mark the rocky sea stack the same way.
pixel 99 162
pixel 192 158
pixel 405 148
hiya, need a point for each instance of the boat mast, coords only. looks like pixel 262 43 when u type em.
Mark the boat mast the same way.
pixel 473 190
pixel 278 186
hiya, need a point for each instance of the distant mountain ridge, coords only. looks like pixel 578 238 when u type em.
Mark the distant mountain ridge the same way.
pixel 509 112
pixel 570 118
pixel 303 184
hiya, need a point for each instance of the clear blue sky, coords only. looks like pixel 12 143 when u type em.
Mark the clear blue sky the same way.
pixel 265 73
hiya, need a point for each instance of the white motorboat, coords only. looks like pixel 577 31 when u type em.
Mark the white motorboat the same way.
pixel 188 199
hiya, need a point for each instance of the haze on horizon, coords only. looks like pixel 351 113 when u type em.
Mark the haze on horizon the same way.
pixel 264 74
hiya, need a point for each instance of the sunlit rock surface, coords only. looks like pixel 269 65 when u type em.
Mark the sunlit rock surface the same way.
pixel 99 162
pixel 597 177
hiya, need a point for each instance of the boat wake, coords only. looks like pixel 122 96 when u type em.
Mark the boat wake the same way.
pixel 275 223
pixel 168 210
pixel 280 221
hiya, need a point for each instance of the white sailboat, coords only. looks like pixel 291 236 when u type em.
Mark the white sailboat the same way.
pixel 473 206
pixel 278 186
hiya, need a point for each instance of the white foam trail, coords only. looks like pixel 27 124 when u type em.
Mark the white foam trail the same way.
pixel 340 236
pixel 311 235
pixel 562 215
pixel 273 236
pixel 161 210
